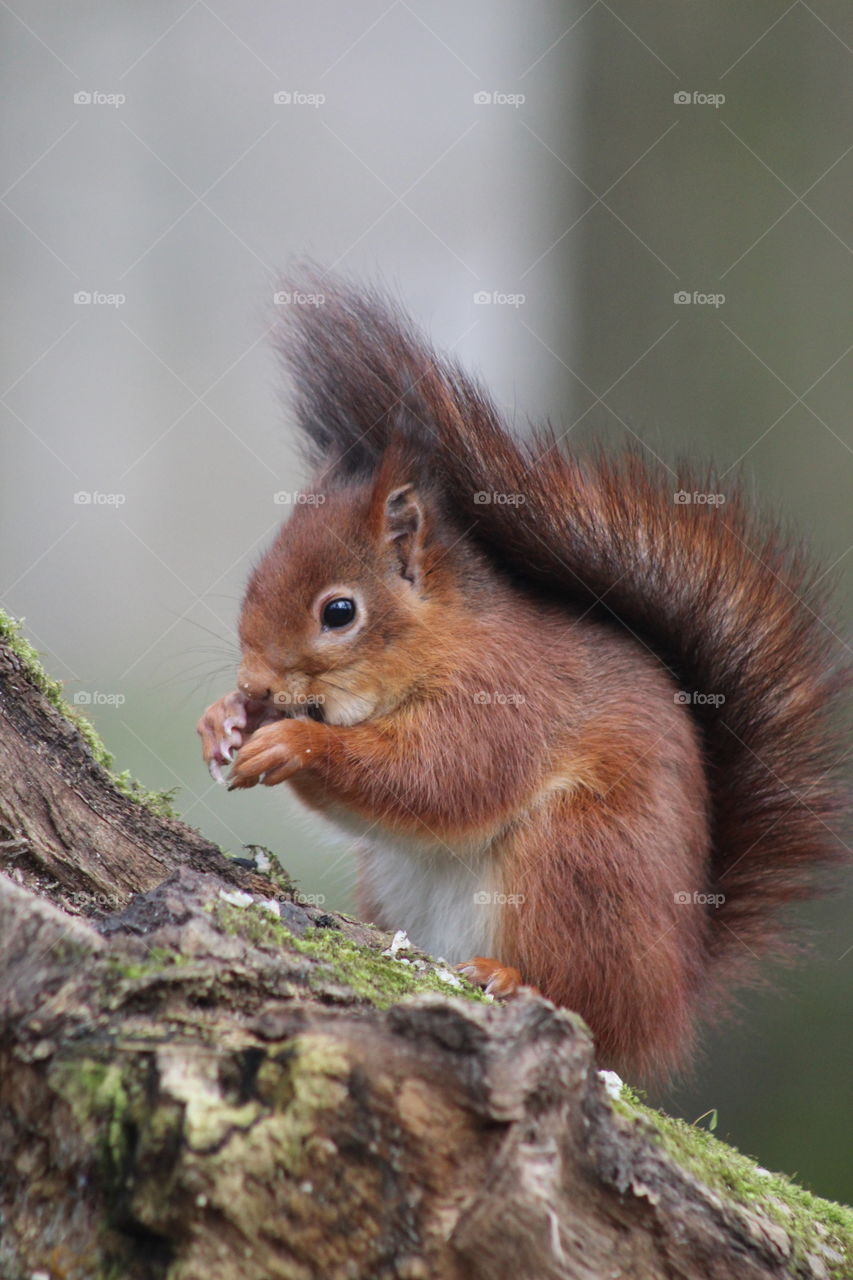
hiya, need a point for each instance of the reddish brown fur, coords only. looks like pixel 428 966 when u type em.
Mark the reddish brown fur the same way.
pixel 600 800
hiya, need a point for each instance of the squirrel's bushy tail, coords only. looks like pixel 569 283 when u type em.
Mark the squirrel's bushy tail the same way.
pixel 729 603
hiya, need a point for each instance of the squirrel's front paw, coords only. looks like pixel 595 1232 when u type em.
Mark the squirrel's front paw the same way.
pixel 227 724
pixel 273 754
pixel 497 979
pixel 221 730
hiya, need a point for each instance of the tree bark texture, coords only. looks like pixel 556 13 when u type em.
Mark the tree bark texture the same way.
pixel 202 1077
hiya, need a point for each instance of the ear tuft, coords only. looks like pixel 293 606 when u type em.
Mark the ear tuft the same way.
pixel 404 528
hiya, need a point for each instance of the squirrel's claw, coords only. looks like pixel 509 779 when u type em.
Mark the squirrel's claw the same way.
pixel 496 979
pixel 271 755
pixel 222 730
pixel 226 747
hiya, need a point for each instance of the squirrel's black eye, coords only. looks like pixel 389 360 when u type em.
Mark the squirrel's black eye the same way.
pixel 338 612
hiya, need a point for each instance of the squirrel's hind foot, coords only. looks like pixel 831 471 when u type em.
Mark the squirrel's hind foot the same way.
pixel 497 979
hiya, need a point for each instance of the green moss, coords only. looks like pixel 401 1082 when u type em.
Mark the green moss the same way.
pixel 99 1101
pixel 208 1120
pixel 372 976
pixel 156 961
pixel 375 977
pixel 159 802
pixel 299 1085
pixel 812 1224
pixel 254 923
pixel 274 870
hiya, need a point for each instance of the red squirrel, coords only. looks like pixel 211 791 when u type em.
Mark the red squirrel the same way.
pixel 578 729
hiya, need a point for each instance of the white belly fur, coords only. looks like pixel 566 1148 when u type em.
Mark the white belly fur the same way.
pixel 442 896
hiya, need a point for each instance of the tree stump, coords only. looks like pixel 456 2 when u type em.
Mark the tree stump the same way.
pixel 200 1076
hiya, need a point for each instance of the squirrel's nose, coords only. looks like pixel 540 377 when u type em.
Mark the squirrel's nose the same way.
pixel 254 683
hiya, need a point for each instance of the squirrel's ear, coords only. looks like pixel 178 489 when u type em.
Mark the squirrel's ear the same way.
pixel 404 528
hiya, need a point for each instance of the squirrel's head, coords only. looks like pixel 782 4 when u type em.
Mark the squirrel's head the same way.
pixel 337 617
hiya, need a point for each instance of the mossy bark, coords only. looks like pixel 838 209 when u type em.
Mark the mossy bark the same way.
pixel 212 1080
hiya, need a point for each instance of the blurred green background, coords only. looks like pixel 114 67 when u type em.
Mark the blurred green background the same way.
pixel 624 153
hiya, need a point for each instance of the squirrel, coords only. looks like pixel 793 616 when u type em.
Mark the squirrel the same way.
pixel 578 728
